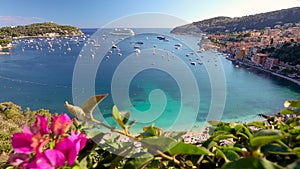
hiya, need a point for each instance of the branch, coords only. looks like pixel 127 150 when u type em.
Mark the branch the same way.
pixel 136 139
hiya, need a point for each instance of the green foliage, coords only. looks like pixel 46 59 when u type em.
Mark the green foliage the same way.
pixel 288 52
pixel 12 120
pixel 272 143
pixel 238 24
pixel 4 42
pixel 251 163
pixel 39 29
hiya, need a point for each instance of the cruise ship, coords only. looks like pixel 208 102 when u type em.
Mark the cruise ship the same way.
pixel 122 32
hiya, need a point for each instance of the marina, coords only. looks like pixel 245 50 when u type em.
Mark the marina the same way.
pixel 38 74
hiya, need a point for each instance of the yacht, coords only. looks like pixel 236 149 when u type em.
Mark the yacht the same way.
pixel 178 45
pixel 122 32
pixel 193 63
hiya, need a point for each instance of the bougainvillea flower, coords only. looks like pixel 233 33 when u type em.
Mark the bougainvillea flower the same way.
pixel 41 125
pixel 22 143
pixel 49 159
pixel 38 143
pixel 79 138
pixel 61 124
pixel 70 146
pixel 19 159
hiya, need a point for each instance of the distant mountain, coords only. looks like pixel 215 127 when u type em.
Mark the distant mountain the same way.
pixel 227 24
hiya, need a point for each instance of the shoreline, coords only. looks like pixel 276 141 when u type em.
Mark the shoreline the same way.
pixel 4 53
pixel 43 36
pixel 264 70
pixel 24 37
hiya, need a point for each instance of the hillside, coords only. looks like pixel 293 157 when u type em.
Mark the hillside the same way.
pixel 39 29
pixel 237 24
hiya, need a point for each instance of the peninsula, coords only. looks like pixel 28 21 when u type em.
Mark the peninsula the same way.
pixel 47 29
pixel 268 41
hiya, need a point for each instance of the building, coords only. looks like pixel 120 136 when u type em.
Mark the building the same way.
pixel 270 62
pixel 259 58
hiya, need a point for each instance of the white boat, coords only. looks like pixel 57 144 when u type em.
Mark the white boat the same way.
pixel 114 46
pixel 193 63
pixel 178 45
pixel 96 44
pixel 122 32
pixel 137 51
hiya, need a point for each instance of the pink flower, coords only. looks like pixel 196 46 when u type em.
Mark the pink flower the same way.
pixel 41 125
pixel 39 142
pixel 29 146
pixel 61 124
pixel 78 137
pixel 70 146
pixel 49 159
pixel 22 143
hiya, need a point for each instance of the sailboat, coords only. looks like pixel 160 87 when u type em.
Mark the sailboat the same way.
pixel 96 44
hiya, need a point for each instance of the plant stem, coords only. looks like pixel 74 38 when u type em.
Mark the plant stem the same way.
pixel 136 139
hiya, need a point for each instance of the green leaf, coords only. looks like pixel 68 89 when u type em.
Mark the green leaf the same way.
pixel 126 116
pixel 121 117
pixel 251 163
pixel 221 154
pixel 141 160
pixel 90 104
pixel 294 165
pixel 243 129
pixel 175 135
pixel 121 154
pixel 151 131
pixel 181 148
pixel 297 151
pixel 292 103
pixel 161 143
pixel 83 162
pixel 264 137
pixel 286 111
pixel 242 134
pixel 232 155
pixel 294 131
pixel 236 149
pixel 223 137
pixel 276 149
pixel 220 132
pixel 259 124
pixel 268 133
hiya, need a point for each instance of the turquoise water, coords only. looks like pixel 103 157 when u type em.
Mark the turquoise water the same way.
pixel 162 88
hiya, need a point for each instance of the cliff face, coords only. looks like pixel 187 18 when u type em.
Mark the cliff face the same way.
pixel 227 24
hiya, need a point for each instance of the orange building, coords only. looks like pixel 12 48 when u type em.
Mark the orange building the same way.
pixel 270 62
pixel 259 58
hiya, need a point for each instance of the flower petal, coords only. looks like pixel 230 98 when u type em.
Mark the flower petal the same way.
pixel 55 157
pixel 21 142
pixel 79 137
pixel 40 162
pixel 69 149
pixel 61 124
pixel 42 124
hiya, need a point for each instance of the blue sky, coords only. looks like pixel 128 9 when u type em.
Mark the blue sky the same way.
pixel 96 13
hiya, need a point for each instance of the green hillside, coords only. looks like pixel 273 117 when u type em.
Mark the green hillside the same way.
pixel 237 24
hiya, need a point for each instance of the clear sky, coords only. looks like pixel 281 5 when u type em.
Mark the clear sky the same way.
pixel 96 13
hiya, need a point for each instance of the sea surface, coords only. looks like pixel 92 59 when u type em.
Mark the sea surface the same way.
pixel 166 81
